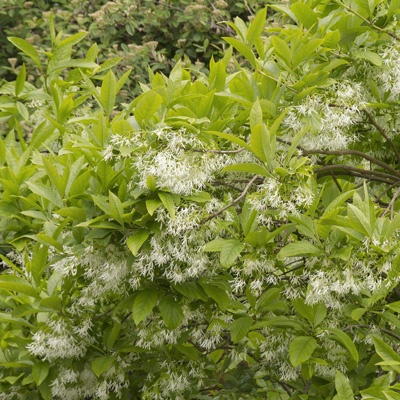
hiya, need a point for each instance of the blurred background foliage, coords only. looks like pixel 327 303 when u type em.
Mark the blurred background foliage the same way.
pixel 142 32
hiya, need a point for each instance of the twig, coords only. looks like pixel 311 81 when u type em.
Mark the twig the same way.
pixel 103 314
pixel 355 153
pixel 234 202
pixel 367 21
pixel 363 172
pixel 215 151
pixel 391 205
pixel 336 181
pixel 219 183
pixel 382 132
pixel 390 333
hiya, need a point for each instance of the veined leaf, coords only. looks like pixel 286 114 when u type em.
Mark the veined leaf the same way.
pixel 343 388
pixel 240 327
pixel 20 81
pixel 136 241
pixel 171 312
pixel 301 349
pixel 27 48
pixel 143 304
pixel 108 92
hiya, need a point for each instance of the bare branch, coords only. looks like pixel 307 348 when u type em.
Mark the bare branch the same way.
pixel 382 132
pixel 391 205
pixel 214 151
pixel 234 202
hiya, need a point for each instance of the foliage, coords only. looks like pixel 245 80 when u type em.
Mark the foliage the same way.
pixel 227 237
pixel 142 33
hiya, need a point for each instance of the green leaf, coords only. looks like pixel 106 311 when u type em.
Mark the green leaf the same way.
pixel 256 27
pixel 53 302
pixel 143 304
pixel 260 142
pixel 147 107
pixel 168 202
pixel 384 350
pixel 373 58
pixel 102 364
pixel 243 49
pixel 230 251
pixel 122 80
pixel 301 349
pixel 116 208
pixel 231 138
pixel 152 205
pixel 171 312
pixel 17 284
pixel 40 371
pixel 282 49
pixel 217 294
pixel 20 81
pixel 346 341
pixel 108 92
pixel 72 40
pixel 27 48
pixel 136 241
pixel 240 327
pixel 46 192
pixel 304 14
pixel 300 249
pixel 343 388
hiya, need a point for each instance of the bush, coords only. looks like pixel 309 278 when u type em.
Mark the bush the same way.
pixel 231 236
pixel 142 33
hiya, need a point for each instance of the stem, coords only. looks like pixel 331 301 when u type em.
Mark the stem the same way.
pixel 391 205
pixel 382 132
pixel 367 21
pixel 234 202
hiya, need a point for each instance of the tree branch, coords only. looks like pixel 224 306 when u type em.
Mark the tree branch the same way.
pixel 382 132
pixel 391 205
pixel 215 151
pixel 367 21
pixel 234 202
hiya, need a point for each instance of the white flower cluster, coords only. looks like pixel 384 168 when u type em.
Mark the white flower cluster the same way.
pixel 332 116
pixel 289 198
pixel 105 269
pixel 57 340
pixel 74 385
pixel 172 164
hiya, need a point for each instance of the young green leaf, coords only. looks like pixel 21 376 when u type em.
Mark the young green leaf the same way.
pixel 240 327
pixel 136 241
pixel 301 349
pixel 108 92
pixel 171 312
pixel 343 388
pixel 143 304
pixel 102 364
pixel 20 81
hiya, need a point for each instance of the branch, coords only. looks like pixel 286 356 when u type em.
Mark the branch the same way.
pixel 382 132
pixel 363 172
pixel 234 202
pixel 219 183
pixel 391 205
pixel 103 314
pixel 387 331
pixel 215 151
pixel 355 153
pixel 367 21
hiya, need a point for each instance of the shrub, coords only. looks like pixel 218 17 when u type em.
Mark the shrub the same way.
pixel 142 33
pixel 231 236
